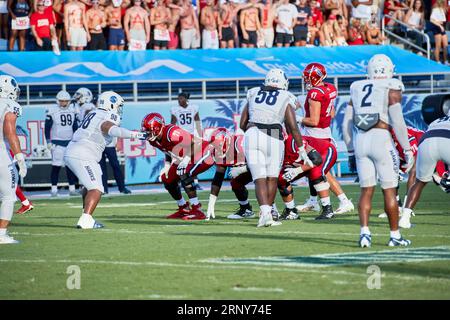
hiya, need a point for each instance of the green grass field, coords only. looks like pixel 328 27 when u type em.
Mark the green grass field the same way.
pixel 142 255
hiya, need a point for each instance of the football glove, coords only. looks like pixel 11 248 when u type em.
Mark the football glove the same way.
pixel 181 169
pixel 165 170
pixel 139 135
pixel 409 161
pixel 238 170
pixel 290 173
pixel 20 159
pixel 303 156
pixel 351 161
pixel 50 146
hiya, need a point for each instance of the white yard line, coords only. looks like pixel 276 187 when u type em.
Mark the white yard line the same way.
pixel 258 289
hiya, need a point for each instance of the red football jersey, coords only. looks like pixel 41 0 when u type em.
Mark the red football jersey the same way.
pixel 326 95
pixel 235 155
pixel 291 150
pixel 414 136
pixel 175 141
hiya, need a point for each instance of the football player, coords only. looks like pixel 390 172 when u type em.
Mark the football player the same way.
pixel 60 124
pixel 433 147
pixel 319 111
pixel 10 110
pixel 84 152
pixel 82 100
pixel 190 157
pixel 268 108
pixel 375 104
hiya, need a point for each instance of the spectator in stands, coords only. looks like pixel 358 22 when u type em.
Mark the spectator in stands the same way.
pixel 373 33
pixel 3 19
pixel 327 36
pixel 356 34
pixel 362 10
pixel 414 18
pixel 285 18
pixel 315 22
pixel 43 27
pixel 267 19
pixel 226 32
pixel 19 11
pixel 438 19
pixel 376 9
pixel 160 19
pixel 75 25
pixel 396 9
pixel 136 26
pixel 336 7
pixel 190 29
pixel 96 21
pixel 58 12
pixel 209 20
pixel 175 9
pixel 340 31
pixel 301 24
pixel 116 37
pixel 250 26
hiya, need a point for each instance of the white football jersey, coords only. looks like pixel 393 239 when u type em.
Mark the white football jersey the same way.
pixel 185 117
pixel 63 121
pixel 268 107
pixel 83 109
pixel 89 142
pixel 440 124
pixel 371 96
pixel 7 105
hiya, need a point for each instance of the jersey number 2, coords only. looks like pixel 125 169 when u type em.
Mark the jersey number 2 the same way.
pixel 364 102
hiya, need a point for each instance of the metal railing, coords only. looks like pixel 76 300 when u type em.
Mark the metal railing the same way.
pixel 421 33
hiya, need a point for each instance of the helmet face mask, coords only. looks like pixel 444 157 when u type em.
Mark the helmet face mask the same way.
pixel 112 102
pixel 153 124
pixel 313 75
pixel 380 66
pixel 63 99
pixel 83 95
pixel 9 88
pixel 276 78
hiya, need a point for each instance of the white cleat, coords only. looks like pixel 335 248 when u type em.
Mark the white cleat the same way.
pixel 365 240
pixel 87 222
pixel 344 207
pixel 382 215
pixel 6 239
pixel 54 194
pixel 309 206
pixel 405 220
pixel 266 220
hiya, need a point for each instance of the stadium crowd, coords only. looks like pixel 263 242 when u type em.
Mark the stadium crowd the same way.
pixel 213 24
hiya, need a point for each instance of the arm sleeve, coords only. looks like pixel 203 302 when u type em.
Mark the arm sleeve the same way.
pixel 399 125
pixel 48 127
pixel 119 132
pixel 347 127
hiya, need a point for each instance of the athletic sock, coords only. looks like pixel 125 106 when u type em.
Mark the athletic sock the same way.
pixel 265 209
pixel 194 201
pixel 20 194
pixel 342 197
pixel 243 203
pixel 71 188
pixel 396 234
pixel 54 189
pixel 325 201
pixel 2 232
pixel 181 202
pixel 290 204
pixel 365 230
pixel 26 202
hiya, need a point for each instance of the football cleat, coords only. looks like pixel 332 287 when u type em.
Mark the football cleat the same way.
pixel 244 212
pixel 86 221
pixel 266 220
pixel 182 211
pixel 382 215
pixel 54 194
pixel 393 242
pixel 275 213
pixel 126 191
pixel 309 206
pixel 365 240
pixel 290 214
pixel 405 220
pixel 196 213
pixel 25 208
pixel 327 213
pixel 345 206
pixel 6 239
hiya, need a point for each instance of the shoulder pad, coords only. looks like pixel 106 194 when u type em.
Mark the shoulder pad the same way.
pixel 395 84
pixel 252 92
pixel 14 107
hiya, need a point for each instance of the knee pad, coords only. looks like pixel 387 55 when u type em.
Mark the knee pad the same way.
pixel 285 191
pixel 321 184
pixel 315 157
pixel 187 182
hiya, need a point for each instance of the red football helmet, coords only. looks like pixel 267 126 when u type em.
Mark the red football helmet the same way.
pixel 314 74
pixel 221 139
pixel 153 123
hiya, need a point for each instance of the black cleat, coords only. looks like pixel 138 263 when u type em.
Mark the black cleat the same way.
pixel 126 191
pixel 290 214
pixel 243 212
pixel 327 213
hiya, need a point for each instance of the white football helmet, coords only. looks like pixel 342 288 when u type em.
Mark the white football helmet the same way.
pixel 83 95
pixel 276 78
pixel 380 66
pixel 110 101
pixel 9 89
pixel 446 107
pixel 63 98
